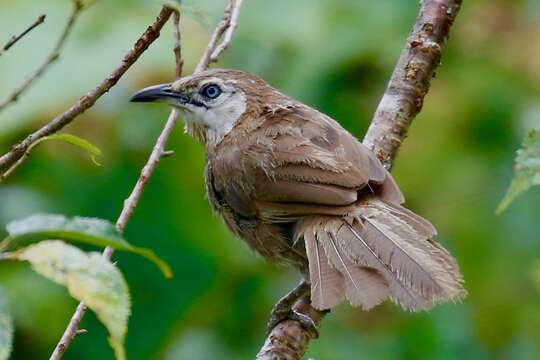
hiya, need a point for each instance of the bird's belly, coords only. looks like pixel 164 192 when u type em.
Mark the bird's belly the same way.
pixel 272 241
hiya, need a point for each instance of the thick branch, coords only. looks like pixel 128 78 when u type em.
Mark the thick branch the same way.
pixel 51 58
pixel 88 100
pixel 409 84
pixel 401 102
pixel 289 339
pixel 15 38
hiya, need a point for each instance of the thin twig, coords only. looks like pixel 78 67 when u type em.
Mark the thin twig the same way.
pixel 148 37
pixel 20 161
pixel 401 102
pixel 15 38
pixel 51 58
pixel 131 202
pixel 227 37
pixel 142 44
pixel 129 206
pixel 224 32
pixel 178 44
pixel 157 153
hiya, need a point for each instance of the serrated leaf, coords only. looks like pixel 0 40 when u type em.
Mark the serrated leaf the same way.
pixel 91 231
pixel 6 328
pixel 93 151
pixel 527 170
pixel 89 278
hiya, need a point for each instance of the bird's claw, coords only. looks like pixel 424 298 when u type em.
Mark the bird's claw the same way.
pixel 281 314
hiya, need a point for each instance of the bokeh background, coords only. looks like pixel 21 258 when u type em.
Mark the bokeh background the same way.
pixel 337 56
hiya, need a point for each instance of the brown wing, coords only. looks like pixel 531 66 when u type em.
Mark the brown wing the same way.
pixel 301 162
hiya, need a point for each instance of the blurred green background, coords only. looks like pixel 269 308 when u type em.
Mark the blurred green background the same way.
pixel 336 55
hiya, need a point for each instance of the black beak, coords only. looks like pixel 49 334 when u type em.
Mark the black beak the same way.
pixel 154 93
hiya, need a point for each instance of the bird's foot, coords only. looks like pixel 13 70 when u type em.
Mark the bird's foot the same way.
pixel 291 314
pixel 284 310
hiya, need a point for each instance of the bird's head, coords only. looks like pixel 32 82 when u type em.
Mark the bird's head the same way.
pixel 212 101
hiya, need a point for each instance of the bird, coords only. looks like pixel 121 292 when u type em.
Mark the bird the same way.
pixel 301 190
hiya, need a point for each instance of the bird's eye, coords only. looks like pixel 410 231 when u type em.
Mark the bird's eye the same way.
pixel 211 91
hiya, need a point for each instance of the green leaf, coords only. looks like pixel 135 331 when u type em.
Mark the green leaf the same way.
pixel 93 151
pixel 89 278
pixel 527 170
pixel 91 231
pixel 6 328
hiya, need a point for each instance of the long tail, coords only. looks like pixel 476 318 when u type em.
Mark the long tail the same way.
pixel 380 251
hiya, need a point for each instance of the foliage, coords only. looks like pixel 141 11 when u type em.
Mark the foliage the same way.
pixel 527 169
pixel 77 229
pixel 88 277
pixel 93 151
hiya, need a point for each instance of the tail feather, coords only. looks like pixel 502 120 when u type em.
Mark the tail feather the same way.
pixel 327 288
pixel 363 252
pixel 362 287
pixel 381 250
pixel 421 225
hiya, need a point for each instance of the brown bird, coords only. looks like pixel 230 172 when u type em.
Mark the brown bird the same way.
pixel 300 189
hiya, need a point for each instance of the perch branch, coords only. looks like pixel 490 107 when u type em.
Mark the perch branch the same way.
pixel 148 37
pixel 51 58
pixel 131 202
pixel 401 102
pixel 409 84
pixel 15 38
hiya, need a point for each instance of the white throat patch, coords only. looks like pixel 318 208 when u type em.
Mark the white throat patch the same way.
pixel 219 119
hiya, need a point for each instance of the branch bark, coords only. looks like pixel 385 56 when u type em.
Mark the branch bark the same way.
pixel 15 38
pixel 51 58
pixel 158 151
pixel 409 84
pixel 148 37
pixel 401 102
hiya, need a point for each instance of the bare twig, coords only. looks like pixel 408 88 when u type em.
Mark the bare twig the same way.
pixel 8 172
pixel 129 206
pixel 157 153
pixel 15 38
pixel 401 102
pixel 142 44
pixel 223 32
pixel 131 202
pixel 51 58
pixel 178 44
pixel 148 37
